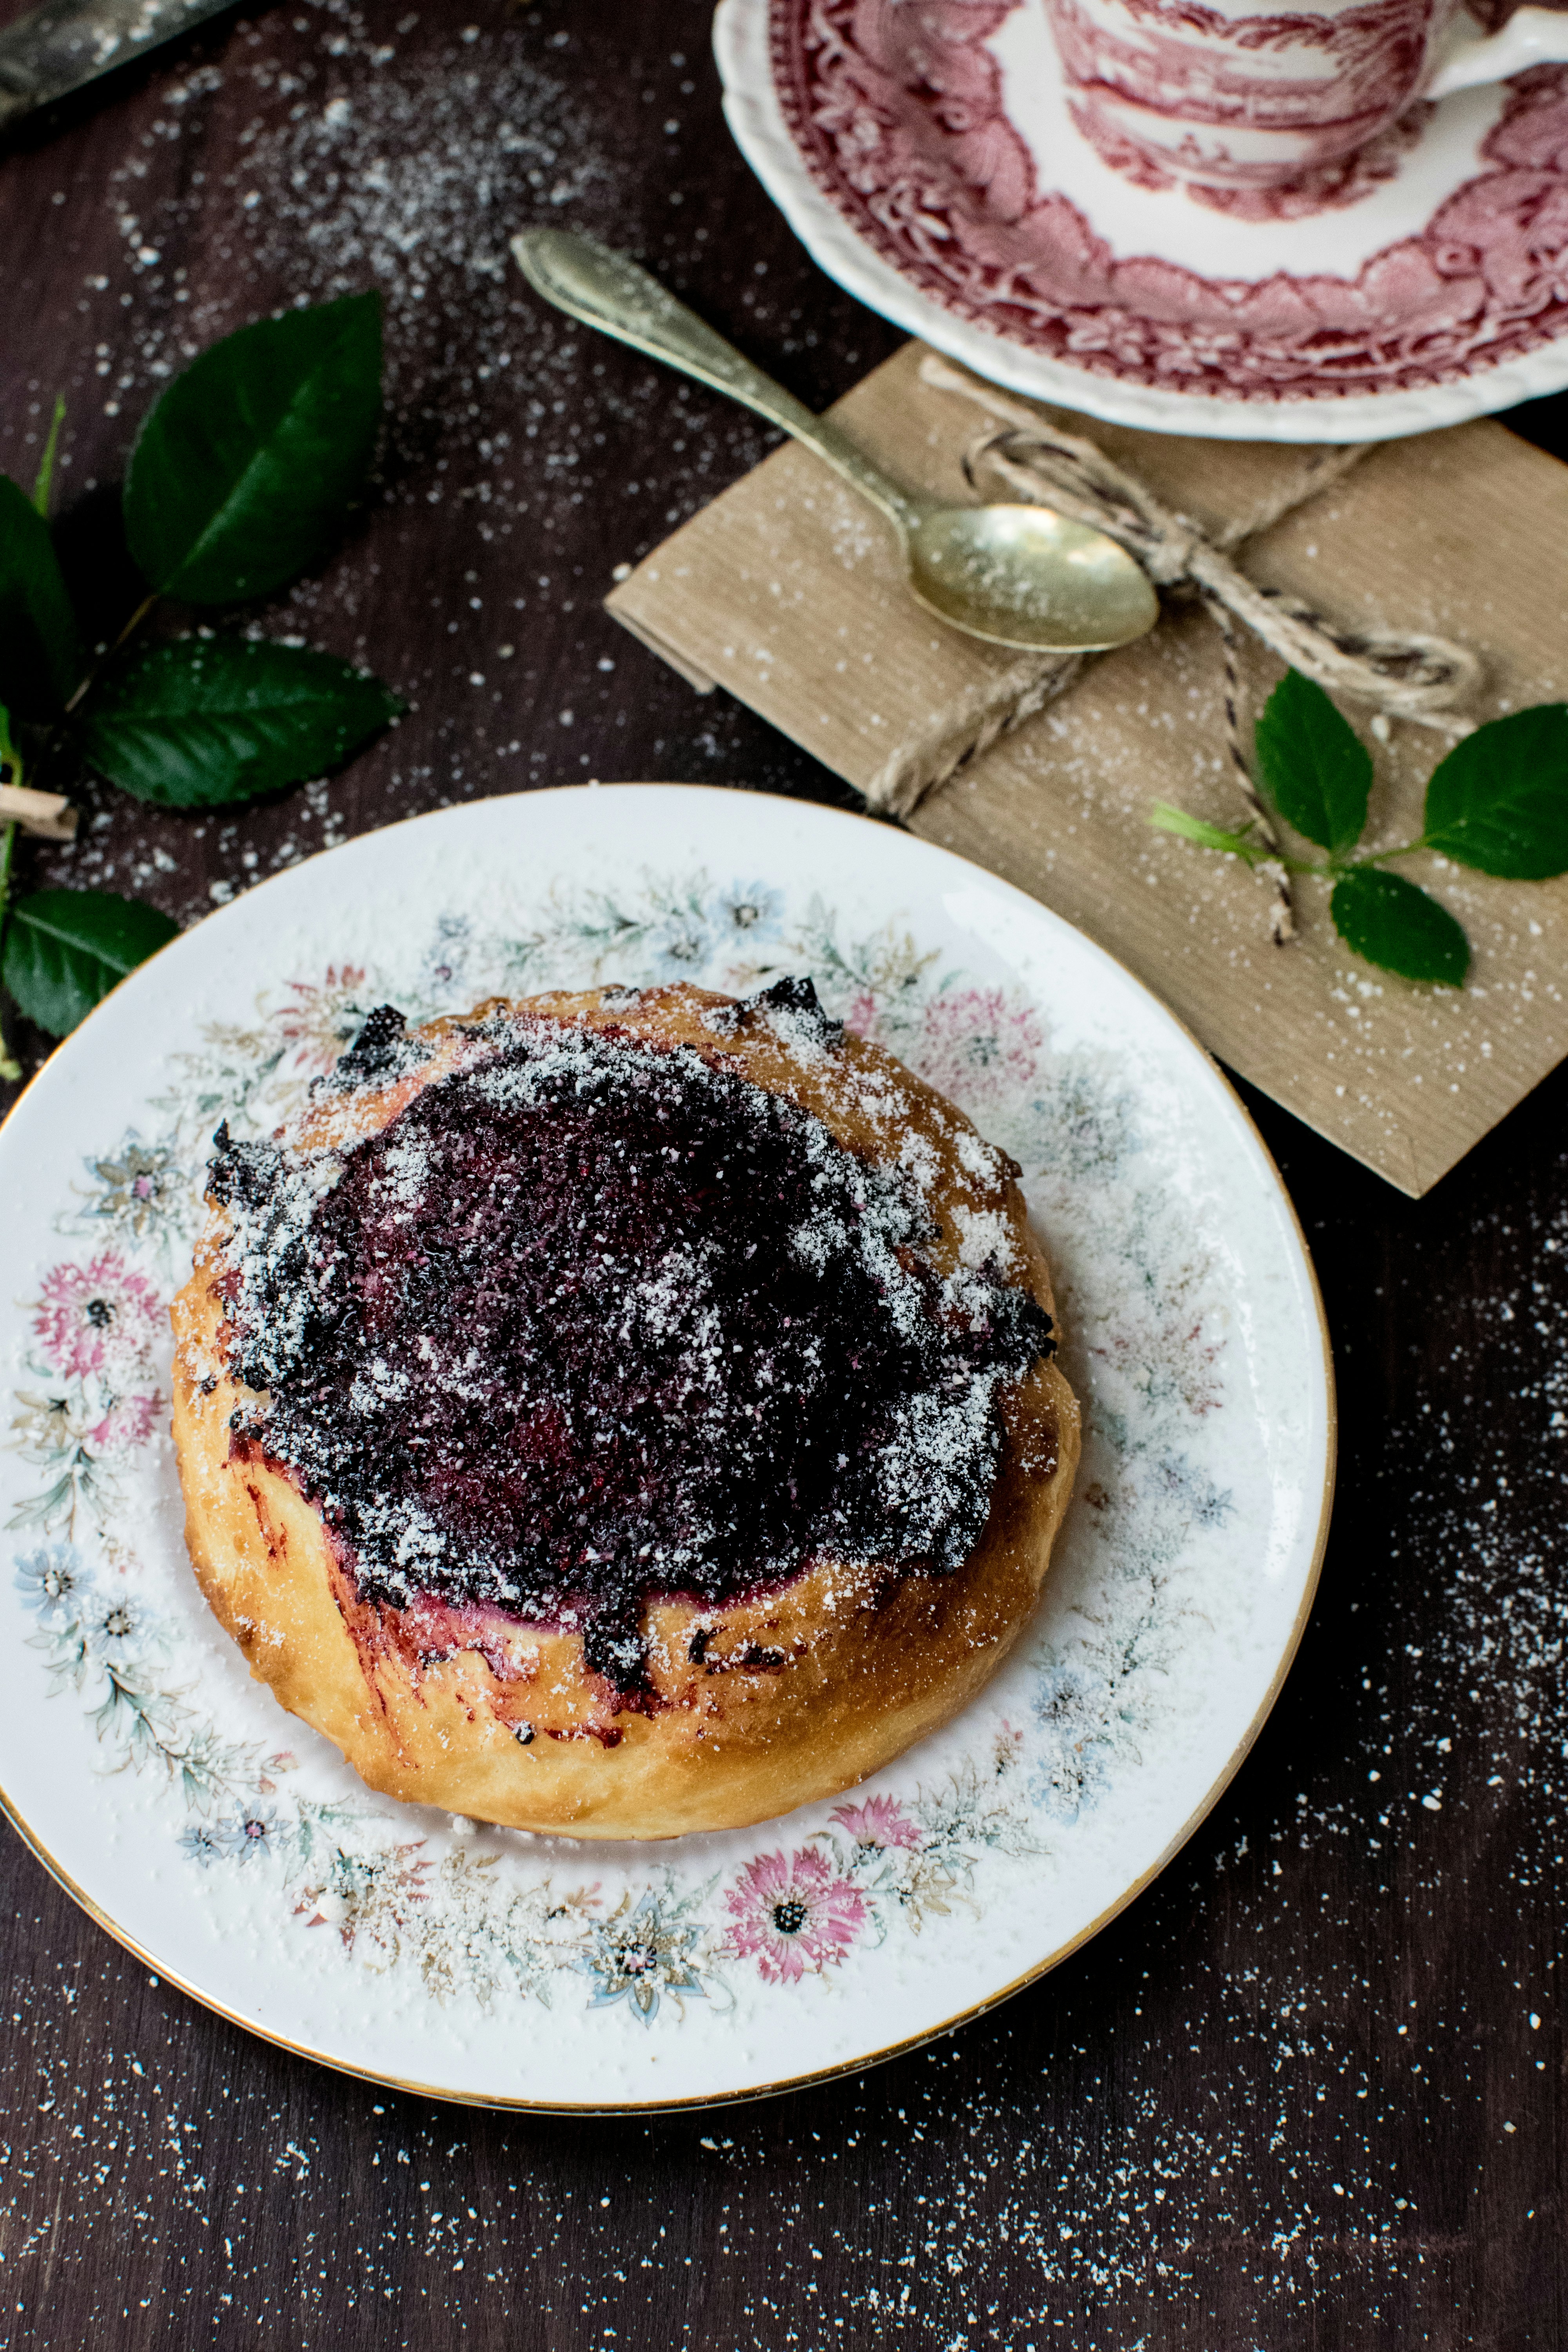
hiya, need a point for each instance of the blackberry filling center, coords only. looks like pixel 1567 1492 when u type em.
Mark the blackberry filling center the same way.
pixel 594 1321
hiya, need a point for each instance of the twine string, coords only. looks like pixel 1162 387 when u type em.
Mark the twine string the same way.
pixel 1408 675
pixel 1282 910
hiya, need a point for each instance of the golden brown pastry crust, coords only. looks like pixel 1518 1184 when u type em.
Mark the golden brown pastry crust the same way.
pixel 794 1695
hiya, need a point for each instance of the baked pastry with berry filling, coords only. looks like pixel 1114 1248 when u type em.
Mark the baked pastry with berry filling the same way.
pixel 621 1414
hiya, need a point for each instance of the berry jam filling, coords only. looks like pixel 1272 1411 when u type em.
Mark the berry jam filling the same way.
pixel 595 1320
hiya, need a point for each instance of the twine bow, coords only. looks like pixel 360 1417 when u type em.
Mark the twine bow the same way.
pixel 1403 675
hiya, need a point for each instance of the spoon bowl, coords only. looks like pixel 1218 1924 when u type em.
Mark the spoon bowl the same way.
pixel 1022 575
pixel 1013 575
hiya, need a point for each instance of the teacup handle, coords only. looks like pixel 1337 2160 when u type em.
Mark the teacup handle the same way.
pixel 1531 36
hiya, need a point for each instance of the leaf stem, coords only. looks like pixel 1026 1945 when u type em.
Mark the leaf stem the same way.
pixel 45 481
pixel 133 623
pixel 51 741
pixel 1305 866
pixel 1257 853
pixel 10 1069
pixel 1376 856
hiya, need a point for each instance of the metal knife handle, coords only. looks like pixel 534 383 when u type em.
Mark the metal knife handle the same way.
pixel 605 291
pixel 57 47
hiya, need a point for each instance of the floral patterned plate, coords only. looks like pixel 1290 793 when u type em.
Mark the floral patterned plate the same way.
pixel 233 1849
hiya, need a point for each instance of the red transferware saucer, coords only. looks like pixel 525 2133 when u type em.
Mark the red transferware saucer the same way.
pixel 927 156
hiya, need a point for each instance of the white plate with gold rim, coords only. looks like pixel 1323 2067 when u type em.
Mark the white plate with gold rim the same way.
pixel 232 1848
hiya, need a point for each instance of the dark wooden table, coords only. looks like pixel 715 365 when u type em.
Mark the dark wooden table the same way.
pixel 1309 2091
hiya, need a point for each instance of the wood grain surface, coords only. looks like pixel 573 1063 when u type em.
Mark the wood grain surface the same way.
pixel 1308 2093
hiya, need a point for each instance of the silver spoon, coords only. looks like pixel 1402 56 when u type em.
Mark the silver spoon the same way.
pixel 1014 574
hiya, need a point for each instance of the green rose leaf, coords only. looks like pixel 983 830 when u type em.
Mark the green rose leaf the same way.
pixel 41 661
pixel 241 474
pixel 208 720
pixel 65 950
pixel 1392 923
pixel 1499 801
pixel 1315 769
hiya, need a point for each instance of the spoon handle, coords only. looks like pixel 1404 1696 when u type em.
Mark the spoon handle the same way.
pixel 603 288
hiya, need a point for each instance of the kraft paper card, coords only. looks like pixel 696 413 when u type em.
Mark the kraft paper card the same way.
pixel 786 590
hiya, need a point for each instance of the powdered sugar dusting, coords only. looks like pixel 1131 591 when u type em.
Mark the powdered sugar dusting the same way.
pixel 594 1319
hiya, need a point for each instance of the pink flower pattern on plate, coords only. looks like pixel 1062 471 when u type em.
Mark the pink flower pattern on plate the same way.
pixel 127 1423
pixel 94 1318
pixel 976 1043
pixel 862 1015
pixel 790 1913
pixel 880 1821
pixel 322 1019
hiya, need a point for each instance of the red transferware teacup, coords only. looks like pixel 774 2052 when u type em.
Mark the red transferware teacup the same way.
pixel 1221 93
